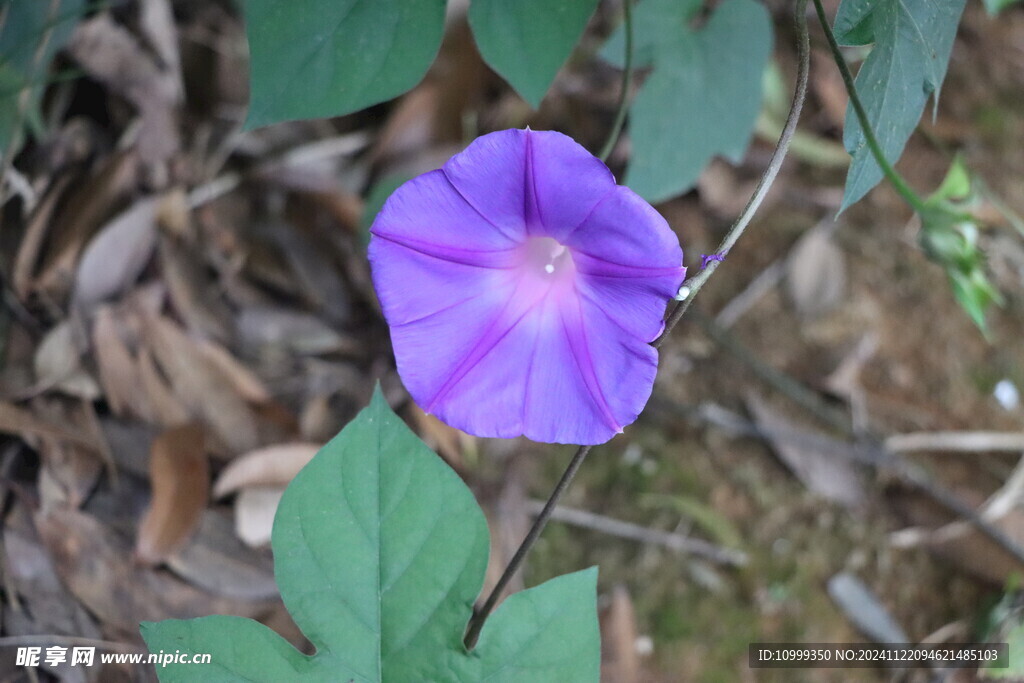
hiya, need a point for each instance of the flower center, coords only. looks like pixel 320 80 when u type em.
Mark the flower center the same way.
pixel 548 257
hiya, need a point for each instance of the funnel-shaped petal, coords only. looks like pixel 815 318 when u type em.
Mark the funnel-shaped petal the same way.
pixel 523 288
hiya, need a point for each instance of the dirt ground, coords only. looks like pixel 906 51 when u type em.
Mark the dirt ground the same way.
pixel 180 294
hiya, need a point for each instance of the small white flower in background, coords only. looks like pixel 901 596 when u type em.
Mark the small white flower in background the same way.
pixel 633 454
pixel 1007 394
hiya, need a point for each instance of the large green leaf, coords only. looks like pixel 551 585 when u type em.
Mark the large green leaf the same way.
pixel 319 58
pixel 527 41
pixel 544 634
pixel 703 97
pixel 913 39
pixel 31 32
pixel 654 22
pixel 380 551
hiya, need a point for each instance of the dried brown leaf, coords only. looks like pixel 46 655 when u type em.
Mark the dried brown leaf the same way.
pixel 19 348
pixel 25 424
pixel 70 470
pixel 254 514
pixel 174 215
pixel 248 385
pixel 116 256
pixel 816 273
pixel 87 205
pixel 29 570
pixel 160 403
pixel 314 167
pixel 263 265
pixel 68 474
pixel 275 422
pixel 156 20
pixel 827 475
pixel 57 364
pixel 318 421
pixel 201 385
pixel 269 466
pixel 119 372
pixel 864 609
pixel 193 292
pixel 112 55
pixel 620 662
pixel 411 127
pixel 144 300
pixel 215 560
pixel 31 246
pixel 447 441
pixel 130 441
pixel 313 269
pixel 179 475
pixel 845 379
pixel 344 207
pixel 302 333
pixel 96 566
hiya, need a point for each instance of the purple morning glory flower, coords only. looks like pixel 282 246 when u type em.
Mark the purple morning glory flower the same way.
pixel 523 288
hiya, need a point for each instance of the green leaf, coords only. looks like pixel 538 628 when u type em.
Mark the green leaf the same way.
pixel 380 551
pixel 912 42
pixel 241 649
pixel 703 96
pixel 975 294
pixel 31 33
pixel 531 636
pixel 994 7
pixel 319 58
pixel 651 19
pixel 950 238
pixel 956 186
pixel 527 41
pixel 1012 669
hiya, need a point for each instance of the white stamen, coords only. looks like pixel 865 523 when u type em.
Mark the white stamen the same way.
pixel 549 268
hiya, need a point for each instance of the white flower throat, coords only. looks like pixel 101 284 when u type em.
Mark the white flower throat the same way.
pixel 548 255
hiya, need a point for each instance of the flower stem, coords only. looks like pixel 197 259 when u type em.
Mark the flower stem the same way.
pixel 890 173
pixel 692 285
pixel 627 80
pixel 480 615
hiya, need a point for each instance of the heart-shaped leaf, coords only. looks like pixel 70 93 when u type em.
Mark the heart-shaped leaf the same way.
pixel 380 551
pixel 704 94
pixel 319 58
pixel 527 41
